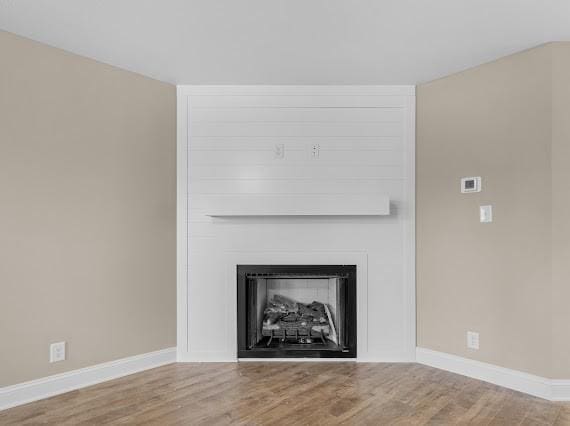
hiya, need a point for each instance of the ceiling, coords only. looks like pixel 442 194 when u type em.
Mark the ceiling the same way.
pixel 290 41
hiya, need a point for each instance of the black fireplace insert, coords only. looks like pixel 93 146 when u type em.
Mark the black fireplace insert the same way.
pixel 296 311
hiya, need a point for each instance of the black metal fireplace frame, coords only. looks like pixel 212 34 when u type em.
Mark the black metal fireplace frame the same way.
pixel 346 349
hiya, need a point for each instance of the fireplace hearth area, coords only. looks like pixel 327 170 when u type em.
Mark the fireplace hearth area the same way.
pixel 296 311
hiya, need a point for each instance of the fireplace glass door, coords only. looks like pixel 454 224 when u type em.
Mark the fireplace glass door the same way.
pixel 297 311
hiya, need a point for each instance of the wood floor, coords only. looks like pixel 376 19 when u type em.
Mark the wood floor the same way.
pixel 289 394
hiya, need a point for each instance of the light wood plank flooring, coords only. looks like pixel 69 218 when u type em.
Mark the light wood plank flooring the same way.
pixel 292 393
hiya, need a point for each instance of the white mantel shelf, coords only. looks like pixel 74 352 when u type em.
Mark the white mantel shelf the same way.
pixel 299 205
pixel 292 215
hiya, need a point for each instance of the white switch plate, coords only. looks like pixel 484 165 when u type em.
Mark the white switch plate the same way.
pixel 486 214
pixel 473 340
pixel 57 352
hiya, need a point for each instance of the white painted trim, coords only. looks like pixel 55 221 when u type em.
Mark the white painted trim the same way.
pixel 286 90
pixel 182 222
pixel 205 356
pixel 298 257
pixel 560 390
pixel 11 396
pixel 297 360
pixel 410 228
pixel 388 359
pixel 554 390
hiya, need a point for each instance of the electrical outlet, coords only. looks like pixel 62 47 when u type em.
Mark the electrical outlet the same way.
pixel 315 150
pixel 279 151
pixel 57 352
pixel 473 340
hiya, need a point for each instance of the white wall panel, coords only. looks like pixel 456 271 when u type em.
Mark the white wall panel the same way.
pixel 293 172
pixel 366 141
pixel 284 186
pixel 296 101
pixel 297 157
pixel 340 143
pixel 280 115
pixel 294 129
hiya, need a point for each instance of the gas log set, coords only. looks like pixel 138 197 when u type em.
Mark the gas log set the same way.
pixel 288 320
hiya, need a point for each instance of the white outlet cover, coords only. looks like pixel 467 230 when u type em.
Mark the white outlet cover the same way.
pixel 473 340
pixel 279 151
pixel 315 150
pixel 57 352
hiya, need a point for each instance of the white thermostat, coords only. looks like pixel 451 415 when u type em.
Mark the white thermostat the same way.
pixel 470 184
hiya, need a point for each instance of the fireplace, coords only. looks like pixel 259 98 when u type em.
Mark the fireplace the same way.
pixel 296 311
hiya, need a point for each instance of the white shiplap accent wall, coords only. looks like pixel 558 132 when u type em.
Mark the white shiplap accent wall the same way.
pixel 227 137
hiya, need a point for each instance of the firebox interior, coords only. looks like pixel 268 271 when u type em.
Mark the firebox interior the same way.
pixel 297 311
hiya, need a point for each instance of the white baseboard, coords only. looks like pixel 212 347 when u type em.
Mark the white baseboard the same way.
pixel 296 359
pixel 205 356
pixel 223 357
pixel 560 390
pixel 404 357
pixel 553 390
pixel 22 393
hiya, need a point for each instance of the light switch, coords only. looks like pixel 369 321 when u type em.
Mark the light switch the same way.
pixel 473 340
pixel 486 214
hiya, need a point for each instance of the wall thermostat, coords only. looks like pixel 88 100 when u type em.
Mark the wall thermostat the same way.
pixel 470 184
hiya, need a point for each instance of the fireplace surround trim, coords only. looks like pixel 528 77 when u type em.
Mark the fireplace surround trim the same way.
pixel 227 353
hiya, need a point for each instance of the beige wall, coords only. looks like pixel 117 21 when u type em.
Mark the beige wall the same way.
pixel 492 121
pixel 506 121
pixel 561 209
pixel 87 216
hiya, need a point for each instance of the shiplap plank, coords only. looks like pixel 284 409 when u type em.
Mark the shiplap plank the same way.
pixel 309 186
pixel 294 172
pixel 294 90
pixel 244 143
pixel 295 129
pixel 287 115
pixel 298 157
pixel 381 233
pixel 283 101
